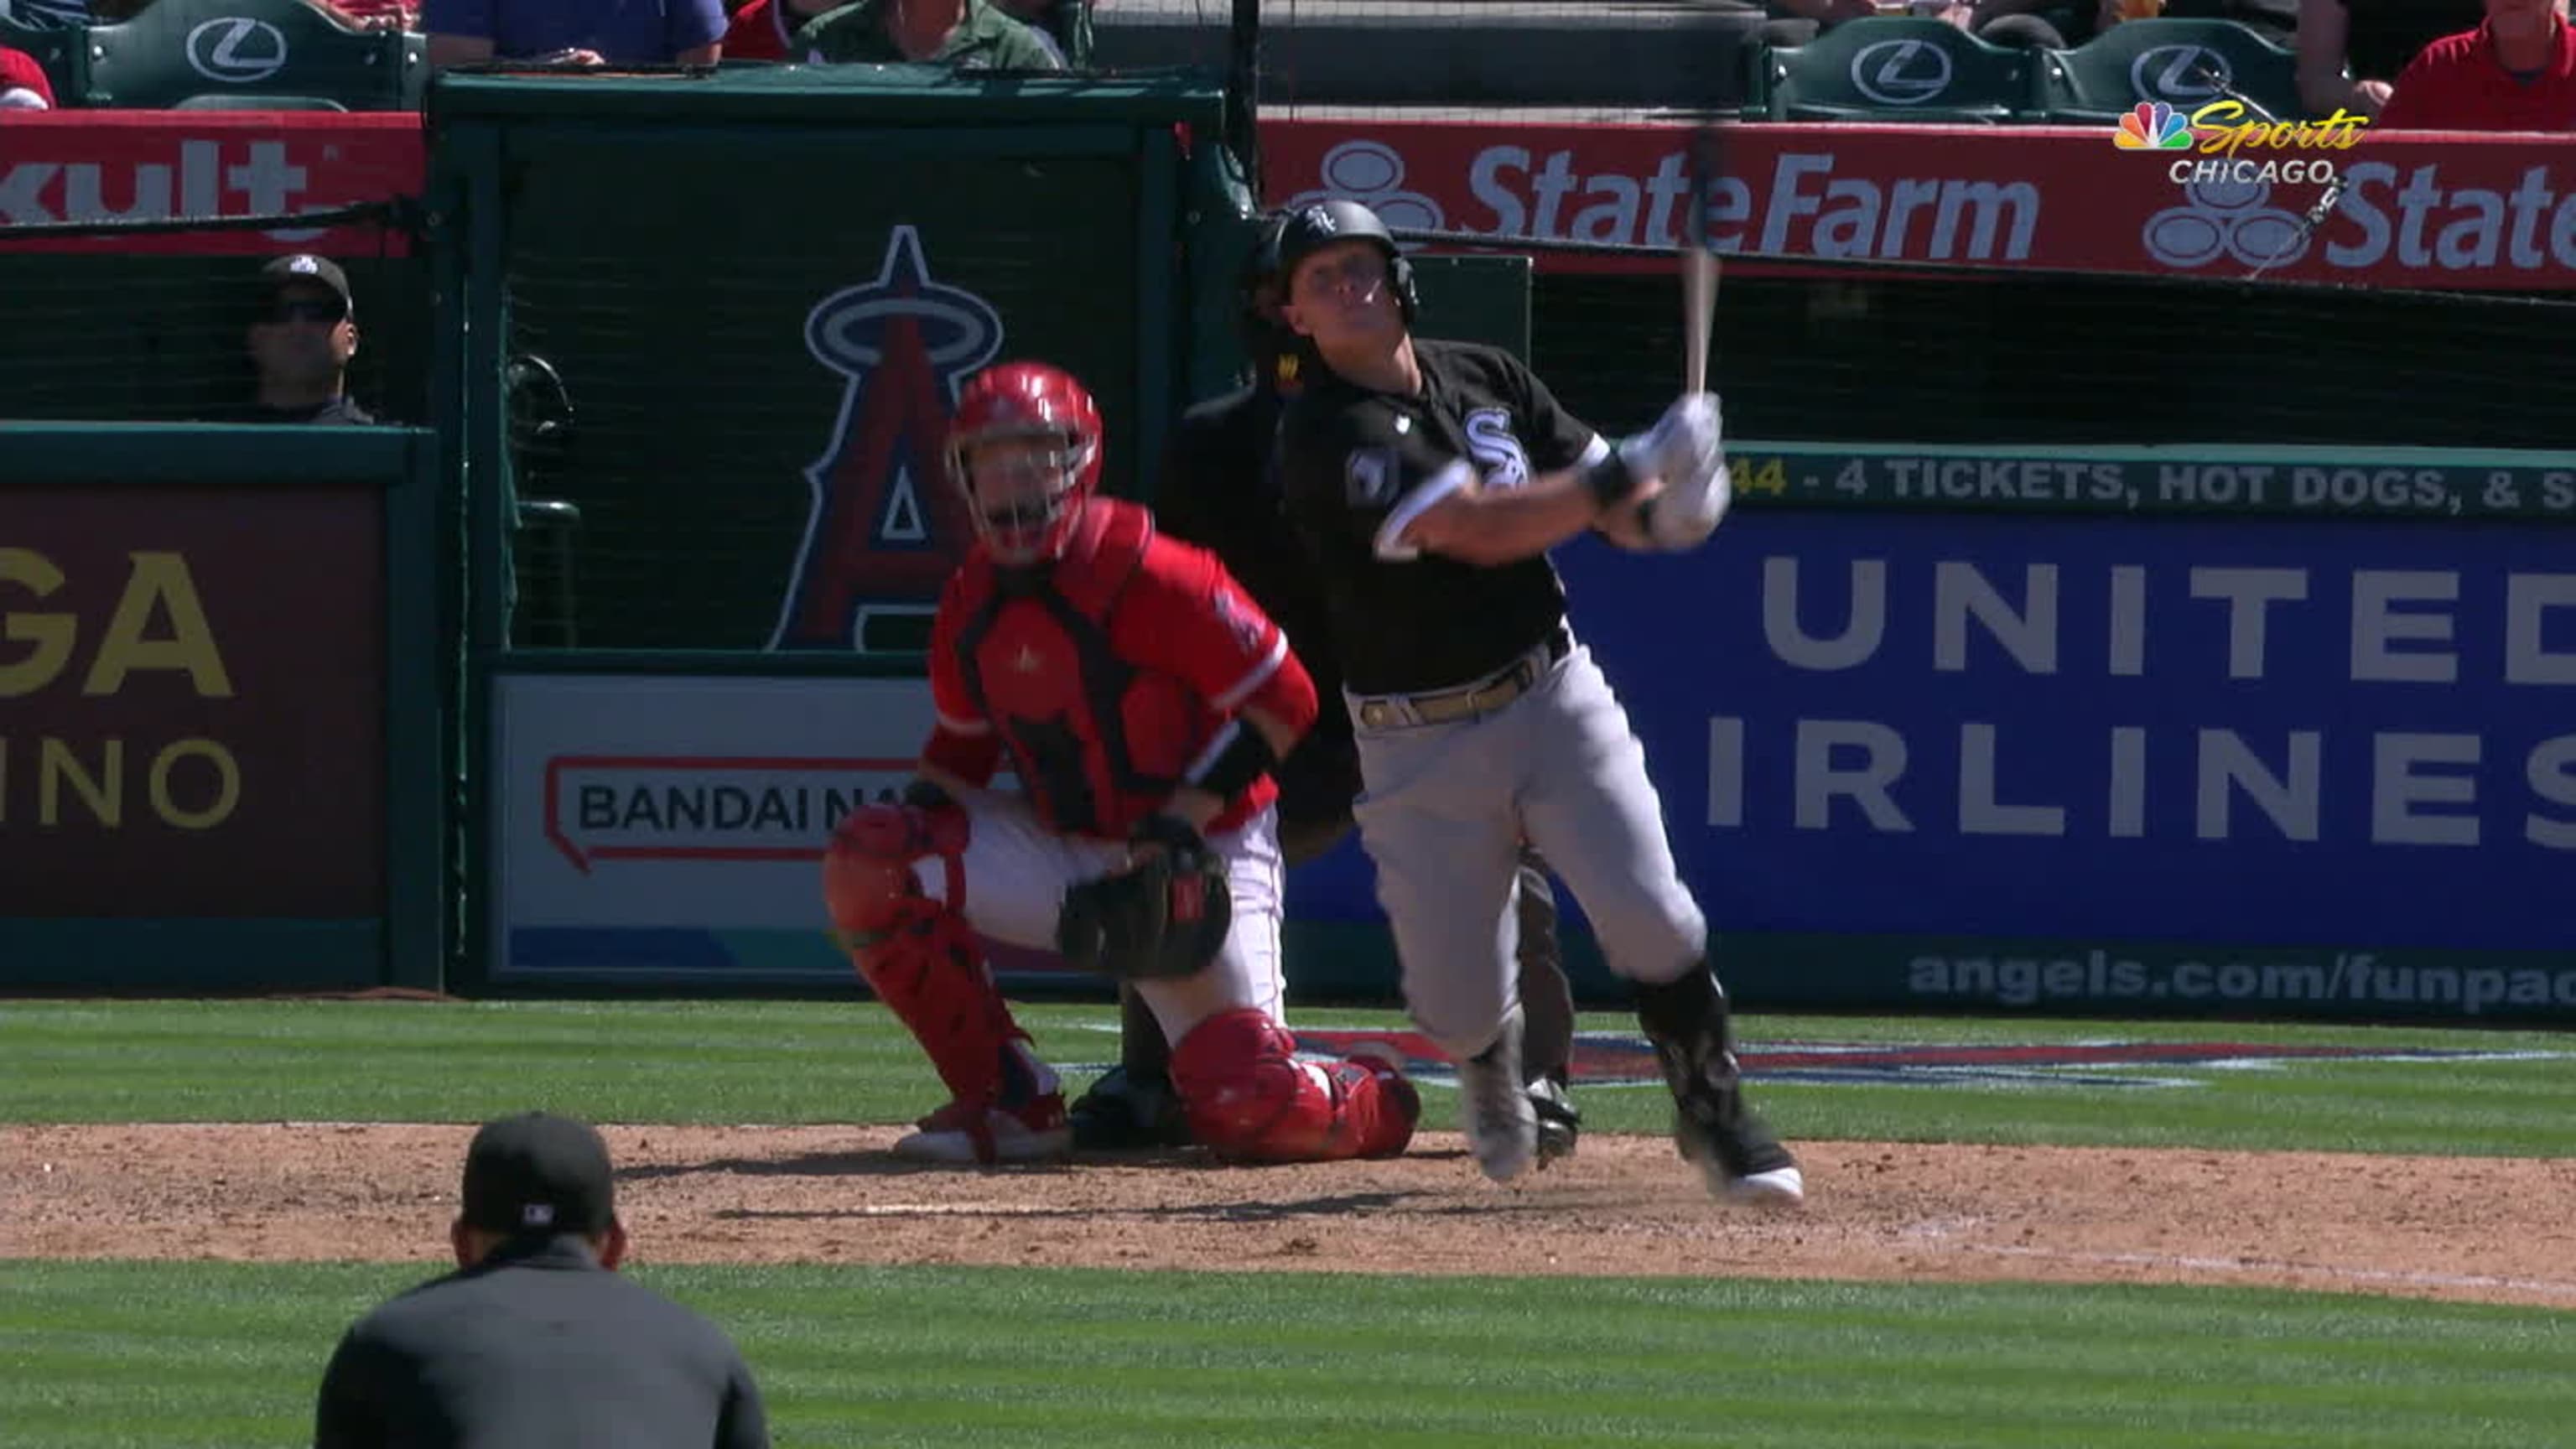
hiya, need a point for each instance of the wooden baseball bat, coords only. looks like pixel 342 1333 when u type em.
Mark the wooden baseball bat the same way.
pixel 1699 263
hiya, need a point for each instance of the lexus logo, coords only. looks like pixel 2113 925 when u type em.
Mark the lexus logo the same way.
pixel 1901 72
pixel 236 50
pixel 2182 74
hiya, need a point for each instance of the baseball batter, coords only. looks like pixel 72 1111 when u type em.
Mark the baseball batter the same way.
pixel 1142 700
pixel 1430 479
pixel 1220 489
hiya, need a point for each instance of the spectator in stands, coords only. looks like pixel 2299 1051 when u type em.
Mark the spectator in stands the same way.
pixel 301 340
pixel 578 32
pixel 23 86
pixel 2515 72
pixel 2000 21
pixel 2351 50
pixel 1045 20
pixel 760 30
pixel 968 34
pixel 371 14
pixel 2061 24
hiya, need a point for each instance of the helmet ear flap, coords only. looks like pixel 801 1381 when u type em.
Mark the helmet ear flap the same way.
pixel 1399 271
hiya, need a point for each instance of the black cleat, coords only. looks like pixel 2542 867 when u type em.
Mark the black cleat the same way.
pixel 1126 1112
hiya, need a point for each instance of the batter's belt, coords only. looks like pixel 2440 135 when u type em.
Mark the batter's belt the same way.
pixel 1467 701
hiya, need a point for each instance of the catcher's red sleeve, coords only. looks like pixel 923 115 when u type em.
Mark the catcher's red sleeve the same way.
pixel 1197 624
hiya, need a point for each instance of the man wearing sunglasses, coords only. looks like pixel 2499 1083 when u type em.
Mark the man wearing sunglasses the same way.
pixel 302 336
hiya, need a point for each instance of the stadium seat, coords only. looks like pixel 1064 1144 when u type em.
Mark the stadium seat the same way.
pixel 258 103
pixel 1891 68
pixel 176 49
pixel 2187 63
pixel 56 49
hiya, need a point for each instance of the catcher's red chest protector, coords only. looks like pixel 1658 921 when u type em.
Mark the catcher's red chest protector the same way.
pixel 1097 740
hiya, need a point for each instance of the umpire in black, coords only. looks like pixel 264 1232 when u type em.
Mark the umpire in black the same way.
pixel 536 1341
pixel 1220 489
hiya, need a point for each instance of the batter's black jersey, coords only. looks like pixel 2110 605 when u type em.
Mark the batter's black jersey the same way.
pixel 1360 465
pixel 1221 490
pixel 537 1348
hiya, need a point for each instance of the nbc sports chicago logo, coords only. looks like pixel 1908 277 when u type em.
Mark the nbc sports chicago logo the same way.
pixel 2218 144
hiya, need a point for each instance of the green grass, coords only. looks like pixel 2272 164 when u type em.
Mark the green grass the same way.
pixel 94 1355
pixel 798 1062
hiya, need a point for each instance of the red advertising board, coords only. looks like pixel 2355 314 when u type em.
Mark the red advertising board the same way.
pixel 2423 211
pixel 192 699
pixel 138 165
pixel 2413 210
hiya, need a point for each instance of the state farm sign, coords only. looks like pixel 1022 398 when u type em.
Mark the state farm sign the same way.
pixel 2444 212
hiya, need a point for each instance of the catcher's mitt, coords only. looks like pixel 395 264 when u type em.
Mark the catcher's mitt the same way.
pixel 1166 918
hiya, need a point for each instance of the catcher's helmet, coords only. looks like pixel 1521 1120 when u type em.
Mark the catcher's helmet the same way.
pixel 1309 229
pixel 1026 400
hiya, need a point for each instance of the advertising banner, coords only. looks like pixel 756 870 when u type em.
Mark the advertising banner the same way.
pixel 192 700
pixel 2413 210
pixel 649 829
pixel 108 165
pixel 2314 767
pixel 2419 210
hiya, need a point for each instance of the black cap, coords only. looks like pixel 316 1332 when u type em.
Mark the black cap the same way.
pixel 538 1174
pixel 306 267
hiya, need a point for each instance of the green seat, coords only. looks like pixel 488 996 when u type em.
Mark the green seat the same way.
pixel 56 49
pixel 1891 68
pixel 2185 63
pixel 177 49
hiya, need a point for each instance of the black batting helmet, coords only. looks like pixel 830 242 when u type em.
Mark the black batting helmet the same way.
pixel 1309 229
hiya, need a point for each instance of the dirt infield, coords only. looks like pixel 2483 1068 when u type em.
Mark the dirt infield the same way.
pixel 2484 1229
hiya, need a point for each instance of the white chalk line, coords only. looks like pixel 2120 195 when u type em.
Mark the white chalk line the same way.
pixel 2246 1265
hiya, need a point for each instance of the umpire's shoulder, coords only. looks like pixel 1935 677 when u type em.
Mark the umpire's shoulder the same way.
pixel 642 1320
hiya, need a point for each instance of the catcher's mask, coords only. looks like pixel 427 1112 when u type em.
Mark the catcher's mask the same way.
pixel 1024 450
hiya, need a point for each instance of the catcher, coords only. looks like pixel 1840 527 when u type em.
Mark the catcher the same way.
pixel 1141 699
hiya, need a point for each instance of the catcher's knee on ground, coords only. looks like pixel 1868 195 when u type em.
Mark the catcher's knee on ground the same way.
pixel 926 965
pixel 1249 1099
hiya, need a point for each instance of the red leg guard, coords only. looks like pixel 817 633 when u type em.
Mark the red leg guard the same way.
pixel 919 956
pixel 1250 1100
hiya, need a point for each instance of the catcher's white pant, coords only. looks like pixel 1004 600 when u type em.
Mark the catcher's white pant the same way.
pixel 1443 816
pixel 1017 872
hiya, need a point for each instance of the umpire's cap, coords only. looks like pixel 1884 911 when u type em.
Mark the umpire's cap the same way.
pixel 1311 228
pixel 538 1174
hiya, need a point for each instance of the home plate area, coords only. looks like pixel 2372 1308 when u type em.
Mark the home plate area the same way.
pixel 1609 1059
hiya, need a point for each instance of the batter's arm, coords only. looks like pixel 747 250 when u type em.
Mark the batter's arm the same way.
pixel 1454 515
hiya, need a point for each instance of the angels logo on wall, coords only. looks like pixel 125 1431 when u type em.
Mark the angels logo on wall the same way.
pixel 884 528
